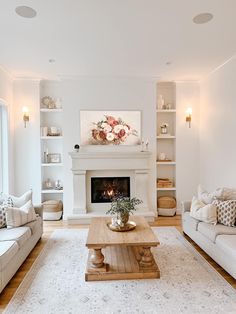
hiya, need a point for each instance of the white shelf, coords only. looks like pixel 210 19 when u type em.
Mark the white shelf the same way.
pixel 166 111
pixel 50 110
pixel 161 137
pixel 163 163
pixel 51 137
pixel 52 191
pixel 59 164
pixel 166 189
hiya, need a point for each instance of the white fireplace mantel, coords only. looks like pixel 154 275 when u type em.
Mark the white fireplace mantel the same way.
pixel 84 162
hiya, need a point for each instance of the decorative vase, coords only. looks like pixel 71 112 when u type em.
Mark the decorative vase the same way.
pixel 122 219
pixel 163 130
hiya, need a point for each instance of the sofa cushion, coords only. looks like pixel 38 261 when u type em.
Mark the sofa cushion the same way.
pixel 203 212
pixel 226 212
pixel 34 225
pixel 20 235
pixel 212 231
pixel 227 243
pixel 16 217
pixel 207 197
pixel 7 250
pixel 190 221
pixel 22 200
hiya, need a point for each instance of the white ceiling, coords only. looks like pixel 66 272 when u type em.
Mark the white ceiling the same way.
pixel 117 38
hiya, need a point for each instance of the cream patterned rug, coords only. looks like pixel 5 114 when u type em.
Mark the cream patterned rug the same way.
pixel 188 284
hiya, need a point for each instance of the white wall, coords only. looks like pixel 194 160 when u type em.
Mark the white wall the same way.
pixel 187 140
pixel 107 94
pixel 26 140
pixel 218 128
pixel 6 85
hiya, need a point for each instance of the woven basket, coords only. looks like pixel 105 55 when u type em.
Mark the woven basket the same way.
pixel 166 202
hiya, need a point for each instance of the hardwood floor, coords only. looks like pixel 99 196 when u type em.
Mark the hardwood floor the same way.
pixel 49 227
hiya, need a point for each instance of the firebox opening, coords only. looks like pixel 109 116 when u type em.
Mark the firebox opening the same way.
pixel 103 189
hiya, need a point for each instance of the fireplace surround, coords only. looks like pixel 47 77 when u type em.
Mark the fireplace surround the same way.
pixel 88 165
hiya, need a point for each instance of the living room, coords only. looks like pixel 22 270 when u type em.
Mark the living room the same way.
pixel 116 107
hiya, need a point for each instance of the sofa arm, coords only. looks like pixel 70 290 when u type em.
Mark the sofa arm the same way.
pixel 185 205
pixel 39 210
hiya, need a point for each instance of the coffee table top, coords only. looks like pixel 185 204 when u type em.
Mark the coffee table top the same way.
pixel 101 236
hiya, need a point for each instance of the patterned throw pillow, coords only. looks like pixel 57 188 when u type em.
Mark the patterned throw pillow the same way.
pixel 6 203
pixel 226 212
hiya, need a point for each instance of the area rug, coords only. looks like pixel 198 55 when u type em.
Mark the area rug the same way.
pixel 188 284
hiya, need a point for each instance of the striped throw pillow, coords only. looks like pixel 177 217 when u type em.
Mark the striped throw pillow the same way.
pixel 16 217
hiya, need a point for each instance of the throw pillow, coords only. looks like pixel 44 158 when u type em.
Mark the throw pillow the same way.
pixel 226 212
pixel 16 217
pixel 207 197
pixel 5 204
pixel 22 200
pixel 229 194
pixel 203 212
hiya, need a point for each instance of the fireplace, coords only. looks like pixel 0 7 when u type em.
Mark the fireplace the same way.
pixel 103 189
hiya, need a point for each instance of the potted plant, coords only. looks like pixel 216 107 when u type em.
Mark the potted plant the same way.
pixel 122 207
pixel 164 128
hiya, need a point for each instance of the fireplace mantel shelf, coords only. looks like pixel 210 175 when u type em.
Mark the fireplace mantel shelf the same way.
pixel 110 155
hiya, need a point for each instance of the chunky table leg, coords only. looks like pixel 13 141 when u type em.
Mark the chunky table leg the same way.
pixel 97 258
pixel 146 257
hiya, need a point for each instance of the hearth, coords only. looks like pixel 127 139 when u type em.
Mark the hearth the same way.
pixel 104 189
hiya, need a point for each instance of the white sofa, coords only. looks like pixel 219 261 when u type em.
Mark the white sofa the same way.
pixel 15 246
pixel 218 241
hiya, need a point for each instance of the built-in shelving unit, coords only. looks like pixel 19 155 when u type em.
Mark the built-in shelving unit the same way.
pixel 51 145
pixel 166 143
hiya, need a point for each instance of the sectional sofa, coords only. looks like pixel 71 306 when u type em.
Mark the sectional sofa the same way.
pixel 15 246
pixel 218 241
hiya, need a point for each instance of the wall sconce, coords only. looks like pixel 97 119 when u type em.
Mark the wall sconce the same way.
pixel 189 116
pixel 25 115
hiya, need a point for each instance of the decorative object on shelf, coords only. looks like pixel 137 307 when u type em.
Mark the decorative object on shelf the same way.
pixel 44 131
pixel 48 102
pixel 54 131
pixel 110 127
pixel 162 156
pixel 166 202
pixel 189 116
pixel 45 155
pixel 48 184
pixel 122 207
pixel 25 115
pixel 146 145
pixel 164 128
pixel 160 102
pixel 168 106
pixel 76 148
pixel 52 210
pixel 164 183
pixel 58 185
pixel 142 146
pixel 58 103
pixel 54 158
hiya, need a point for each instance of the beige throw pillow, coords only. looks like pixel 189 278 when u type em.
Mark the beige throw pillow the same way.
pixel 207 197
pixel 22 200
pixel 200 211
pixel 16 217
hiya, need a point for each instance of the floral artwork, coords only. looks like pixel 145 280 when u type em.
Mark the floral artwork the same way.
pixel 106 128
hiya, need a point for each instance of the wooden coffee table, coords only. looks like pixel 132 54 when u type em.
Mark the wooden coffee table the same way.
pixel 120 255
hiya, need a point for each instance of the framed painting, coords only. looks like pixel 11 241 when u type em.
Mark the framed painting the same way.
pixel 110 127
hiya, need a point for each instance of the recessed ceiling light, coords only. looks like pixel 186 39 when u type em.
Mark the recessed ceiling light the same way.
pixel 26 12
pixel 51 60
pixel 168 63
pixel 202 18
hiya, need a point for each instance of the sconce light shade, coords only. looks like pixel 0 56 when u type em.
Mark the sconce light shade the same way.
pixel 25 115
pixel 189 116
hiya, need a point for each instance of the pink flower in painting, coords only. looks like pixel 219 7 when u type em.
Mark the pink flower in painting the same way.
pixel 111 130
